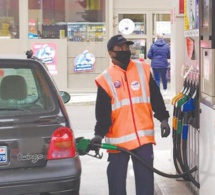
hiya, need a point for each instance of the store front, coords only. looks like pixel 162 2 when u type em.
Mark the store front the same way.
pixel 70 36
pixel 142 28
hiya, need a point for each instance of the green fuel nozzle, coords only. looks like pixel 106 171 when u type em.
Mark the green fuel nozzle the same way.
pixel 84 146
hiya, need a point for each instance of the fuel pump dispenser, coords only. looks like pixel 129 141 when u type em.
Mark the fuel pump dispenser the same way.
pixel 185 103
pixel 183 113
pixel 177 122
pixel 207 97
pixel 187 108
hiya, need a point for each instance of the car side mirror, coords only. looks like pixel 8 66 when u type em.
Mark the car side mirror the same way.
pixel 65 96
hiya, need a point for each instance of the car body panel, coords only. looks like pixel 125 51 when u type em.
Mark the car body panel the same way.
pixel 55 174
pixel 29 116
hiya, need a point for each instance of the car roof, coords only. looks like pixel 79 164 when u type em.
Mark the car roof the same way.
pixel 12 56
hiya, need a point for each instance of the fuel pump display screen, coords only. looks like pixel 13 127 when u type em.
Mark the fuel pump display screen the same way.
pixel 205 20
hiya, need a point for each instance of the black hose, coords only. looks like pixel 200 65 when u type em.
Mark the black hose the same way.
pixel 186 165
pixel 174 138
pixel 184 149
pixel 154 169
pixel 179 156
pixel 148 166
pixel 175 153
pixel 176 163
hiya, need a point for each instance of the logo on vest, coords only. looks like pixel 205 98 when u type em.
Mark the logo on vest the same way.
pixel 135 85
pixel 117 84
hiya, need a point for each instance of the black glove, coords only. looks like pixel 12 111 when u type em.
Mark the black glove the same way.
pixel 97 139
pixel 165 129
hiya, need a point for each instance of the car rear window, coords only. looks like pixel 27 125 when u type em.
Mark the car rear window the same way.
pixel 24 90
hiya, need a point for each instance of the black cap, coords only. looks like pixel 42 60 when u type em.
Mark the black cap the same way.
pixel 117 40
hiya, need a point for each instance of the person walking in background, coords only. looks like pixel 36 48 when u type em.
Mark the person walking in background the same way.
pixel 127 96
pixel 159 53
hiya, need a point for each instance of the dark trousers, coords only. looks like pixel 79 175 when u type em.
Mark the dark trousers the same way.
pixel 117 171
pixel 160 73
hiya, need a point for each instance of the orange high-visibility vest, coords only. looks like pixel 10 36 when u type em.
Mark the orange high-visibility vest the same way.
pixel 132 118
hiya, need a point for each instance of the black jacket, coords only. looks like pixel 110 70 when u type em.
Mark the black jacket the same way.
pixel 103 108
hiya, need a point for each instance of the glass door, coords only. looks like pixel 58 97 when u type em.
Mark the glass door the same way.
pixel 133 27
pixel 161 25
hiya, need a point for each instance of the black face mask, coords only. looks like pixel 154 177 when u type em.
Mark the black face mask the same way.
pixel 123 57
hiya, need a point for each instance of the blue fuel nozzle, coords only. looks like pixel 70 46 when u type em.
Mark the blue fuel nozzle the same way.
pixel 188 106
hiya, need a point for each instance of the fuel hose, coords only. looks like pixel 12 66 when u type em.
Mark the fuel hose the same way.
pixel 184 148
pixel 187 108
pixel 113 147
pixel 176 146
pixel 177 155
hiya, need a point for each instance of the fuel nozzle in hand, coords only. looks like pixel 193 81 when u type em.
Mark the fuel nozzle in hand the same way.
pixel 84 146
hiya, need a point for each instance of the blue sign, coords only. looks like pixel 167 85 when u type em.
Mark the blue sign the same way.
pixel 84 62
pixel 32 36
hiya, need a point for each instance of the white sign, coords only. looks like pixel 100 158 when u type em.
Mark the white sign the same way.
pixel 126 26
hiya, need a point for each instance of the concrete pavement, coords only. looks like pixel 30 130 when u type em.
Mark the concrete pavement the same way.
pixel 82 98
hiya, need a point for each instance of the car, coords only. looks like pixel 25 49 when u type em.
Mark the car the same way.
pixel 37 144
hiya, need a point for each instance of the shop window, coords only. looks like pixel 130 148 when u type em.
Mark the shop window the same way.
pixel 138 49
pixel 76 20
pixel 161 24
pixel 9 19
pixel 133 24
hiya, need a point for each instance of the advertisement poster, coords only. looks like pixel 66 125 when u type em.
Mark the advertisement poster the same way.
pixel 186 22
pixel 84 62
pixel 197 14
pixel 181 6
pixel 205 17
pixel 190 48
pixel 191 14
pixel 47 52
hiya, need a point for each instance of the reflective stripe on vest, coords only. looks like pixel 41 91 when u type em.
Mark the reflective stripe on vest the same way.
pixel 142 80
pixel 112 88
pixel 130 137
pixel 135 100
